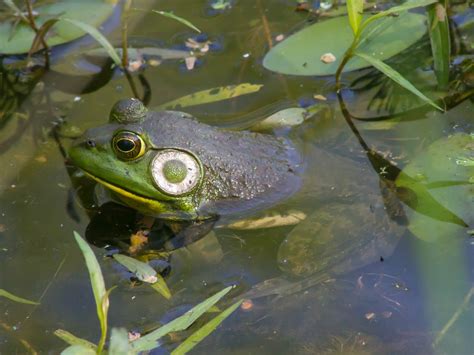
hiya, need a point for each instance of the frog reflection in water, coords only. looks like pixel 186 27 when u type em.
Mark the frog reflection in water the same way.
pixel 168 165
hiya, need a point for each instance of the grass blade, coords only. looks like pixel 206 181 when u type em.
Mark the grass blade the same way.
pixel 92 31
pixel 355 8
pixel 177 18
pixel 412 4
pixel 98 285
pixel 71 339
pixel 204 331
pixel 440 42
pixel 14 298
pixel 395 76
pixel 150 340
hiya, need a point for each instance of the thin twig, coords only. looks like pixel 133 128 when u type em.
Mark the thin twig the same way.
pixel 31 19
pixel 455 317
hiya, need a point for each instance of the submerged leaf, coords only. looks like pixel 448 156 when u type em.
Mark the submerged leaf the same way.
pixel 299 54
pixel 395 76
pixel 150 340
pixel 211 95
pixel 71 339
pixel 439 189
pixel 12 297
pixel 204 331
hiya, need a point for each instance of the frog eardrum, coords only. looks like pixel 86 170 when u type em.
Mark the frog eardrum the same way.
pixel 128 145
pixel 175 172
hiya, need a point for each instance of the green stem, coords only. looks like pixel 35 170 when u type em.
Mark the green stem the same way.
pixel 126 10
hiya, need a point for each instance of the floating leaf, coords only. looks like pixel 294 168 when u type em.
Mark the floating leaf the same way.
pixel 395 76
pixel 441 189
pixel 300 53
pixel 150 340
pixel 71 339
pixel 143 271
pixel 177 18
pixel 204 331
pixel 119 344
pixel 354 11
pixel 211 95
pixel 12 297
pixel 91 12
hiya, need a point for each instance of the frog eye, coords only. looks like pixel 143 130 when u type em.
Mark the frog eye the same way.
pixel 175 172
pixel 128 145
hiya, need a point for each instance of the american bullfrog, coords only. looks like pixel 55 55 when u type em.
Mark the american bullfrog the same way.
pixel 170 166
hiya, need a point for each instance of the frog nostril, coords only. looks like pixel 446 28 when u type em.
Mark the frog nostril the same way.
pixel 90 143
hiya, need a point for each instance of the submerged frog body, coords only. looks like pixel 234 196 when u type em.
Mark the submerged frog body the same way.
pixel 169 165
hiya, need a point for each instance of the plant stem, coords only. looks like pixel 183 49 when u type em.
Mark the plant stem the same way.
pixel 125 12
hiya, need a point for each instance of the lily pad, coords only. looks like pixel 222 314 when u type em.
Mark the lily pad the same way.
pixel 300 53
pixel 442 186
pixel 18 39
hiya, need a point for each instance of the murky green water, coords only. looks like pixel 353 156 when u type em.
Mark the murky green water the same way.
pixel 397 303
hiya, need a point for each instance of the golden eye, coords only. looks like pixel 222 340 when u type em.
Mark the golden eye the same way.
pixel 128 145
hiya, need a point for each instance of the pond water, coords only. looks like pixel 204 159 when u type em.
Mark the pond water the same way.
pixel 394 290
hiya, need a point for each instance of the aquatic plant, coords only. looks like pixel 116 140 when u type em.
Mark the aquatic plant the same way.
pixel 119 340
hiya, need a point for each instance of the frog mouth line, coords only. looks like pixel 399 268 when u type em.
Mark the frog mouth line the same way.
pixel 125 193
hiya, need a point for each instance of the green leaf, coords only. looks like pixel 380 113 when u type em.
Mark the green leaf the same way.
pixel 300 53
pixel 119 344
pixel 78 350
pixel 395 76
pixel 177 18
pixel 211 95
pixel 12 297
pixel 91 12
pixel 98 285
pixel 71 339
pixel 440 188
pixel 143 271
pixel 204 331
pixel 93 32
pixel 149 341
pixel 15 9
pixel 354 11
pixel 440 42
pixel 161 287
